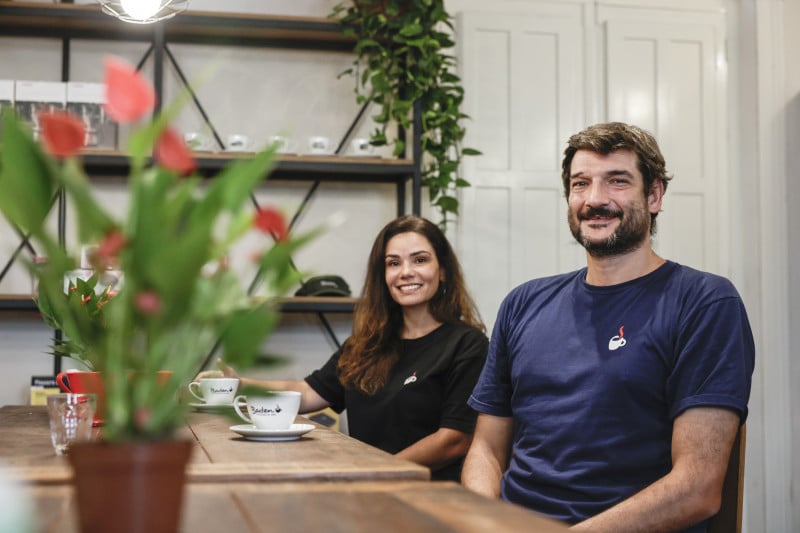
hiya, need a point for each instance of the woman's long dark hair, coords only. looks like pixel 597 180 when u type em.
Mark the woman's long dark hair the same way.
pixel 372 350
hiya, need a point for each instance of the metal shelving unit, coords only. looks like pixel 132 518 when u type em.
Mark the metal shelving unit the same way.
pixel 67 21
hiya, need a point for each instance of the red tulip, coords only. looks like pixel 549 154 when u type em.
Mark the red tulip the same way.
pixel 108 250
pixel 148 302
pixel 129 95
pixel 63 133
pixel 142 417
pixel 271 221
pixel 172 153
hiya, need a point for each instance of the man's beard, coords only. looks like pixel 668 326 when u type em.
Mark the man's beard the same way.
pixel 632 232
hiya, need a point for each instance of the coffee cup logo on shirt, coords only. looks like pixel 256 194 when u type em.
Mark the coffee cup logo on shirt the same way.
pixel 617 341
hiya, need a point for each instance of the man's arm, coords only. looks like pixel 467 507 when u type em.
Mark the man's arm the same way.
pixel 702 439
pixel 488 455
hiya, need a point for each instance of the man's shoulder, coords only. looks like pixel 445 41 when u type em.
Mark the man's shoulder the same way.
pixel 699 282
pixel 548 282
pixel 544 287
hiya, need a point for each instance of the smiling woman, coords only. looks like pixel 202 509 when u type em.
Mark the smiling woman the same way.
pixel 417 348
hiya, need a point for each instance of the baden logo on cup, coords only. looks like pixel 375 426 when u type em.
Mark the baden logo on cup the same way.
pixel 276 411
pixel 215 391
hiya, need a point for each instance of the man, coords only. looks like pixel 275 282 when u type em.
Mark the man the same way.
pixel 611 396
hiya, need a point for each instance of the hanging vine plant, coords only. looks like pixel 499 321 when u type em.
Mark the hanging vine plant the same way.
pixel 402 57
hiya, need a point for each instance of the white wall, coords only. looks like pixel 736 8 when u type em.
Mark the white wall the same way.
pixel 791 24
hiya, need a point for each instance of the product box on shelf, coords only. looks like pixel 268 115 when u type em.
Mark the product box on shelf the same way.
pixel 41 388
pixel 33 97
pixel 86 100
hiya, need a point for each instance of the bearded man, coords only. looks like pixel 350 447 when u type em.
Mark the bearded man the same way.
pixel 611 396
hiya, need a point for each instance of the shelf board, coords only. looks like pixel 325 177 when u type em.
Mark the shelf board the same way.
pixel 318 304
pixel 87 21
pixel 100 164
pixel 21 303
pixel 17 303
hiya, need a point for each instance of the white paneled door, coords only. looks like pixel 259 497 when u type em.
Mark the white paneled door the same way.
pixel 669 79
pixel 526 79
pixel 523 82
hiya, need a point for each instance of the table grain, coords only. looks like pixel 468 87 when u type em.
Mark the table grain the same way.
pixel 219 454
pixel 352 507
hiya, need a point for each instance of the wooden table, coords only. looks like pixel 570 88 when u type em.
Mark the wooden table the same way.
pixel 325 481
pixel 220 455
pixel 352 507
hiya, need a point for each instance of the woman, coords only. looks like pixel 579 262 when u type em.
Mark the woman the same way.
pixel 417 348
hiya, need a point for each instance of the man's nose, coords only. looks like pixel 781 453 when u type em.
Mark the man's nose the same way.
pixel 597 194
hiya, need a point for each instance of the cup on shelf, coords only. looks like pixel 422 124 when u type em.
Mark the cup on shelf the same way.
pixel 360 147
pixel 71 418
pixel 215 391
pixel 239 142
pixel 319 145
pixel 196 142
pixel 277 410
pixel 281 144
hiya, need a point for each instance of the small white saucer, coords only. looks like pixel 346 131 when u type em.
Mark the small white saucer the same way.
pixel 250 432
pixel 210 406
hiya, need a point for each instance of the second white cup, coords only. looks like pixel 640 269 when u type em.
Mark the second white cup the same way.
pixel 275 411
pixel 319 145
pixel 215 391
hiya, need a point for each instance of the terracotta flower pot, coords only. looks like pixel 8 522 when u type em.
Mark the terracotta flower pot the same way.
pixel 130 487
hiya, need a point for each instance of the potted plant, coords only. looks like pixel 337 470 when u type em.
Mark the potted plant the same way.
pixel 178 298
pixel 402 60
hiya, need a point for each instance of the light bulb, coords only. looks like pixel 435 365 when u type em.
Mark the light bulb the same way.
pixel 141 9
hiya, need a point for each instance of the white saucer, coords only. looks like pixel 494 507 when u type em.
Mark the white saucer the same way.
pixel 249 431
pixel 210 406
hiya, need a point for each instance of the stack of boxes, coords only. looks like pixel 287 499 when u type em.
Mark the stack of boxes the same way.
pixel 85 100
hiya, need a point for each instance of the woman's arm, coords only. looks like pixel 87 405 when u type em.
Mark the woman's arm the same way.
pixel 438 449
pixel 310 400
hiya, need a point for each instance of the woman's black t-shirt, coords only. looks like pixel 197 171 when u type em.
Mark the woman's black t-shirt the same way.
pixel 427 389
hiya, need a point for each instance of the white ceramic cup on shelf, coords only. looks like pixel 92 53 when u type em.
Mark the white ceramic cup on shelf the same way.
pixel 196 141
pixel 277 410
pixel 281 144
pixel 215 391
pixel 239 142
pixel 319 145
pixel 360 147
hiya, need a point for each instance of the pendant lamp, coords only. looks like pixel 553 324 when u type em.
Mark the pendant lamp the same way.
pixel 143 11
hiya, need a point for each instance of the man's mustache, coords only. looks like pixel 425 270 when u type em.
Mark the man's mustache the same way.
pixel 592 212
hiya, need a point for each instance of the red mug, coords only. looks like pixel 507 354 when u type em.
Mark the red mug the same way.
pixel 75 381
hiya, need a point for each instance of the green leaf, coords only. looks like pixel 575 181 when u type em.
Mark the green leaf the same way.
pixel 28 178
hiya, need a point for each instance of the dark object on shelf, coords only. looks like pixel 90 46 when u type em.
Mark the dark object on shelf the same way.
pixel 324 286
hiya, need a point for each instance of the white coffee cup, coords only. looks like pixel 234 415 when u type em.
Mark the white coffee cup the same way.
pixel 215 391
pixel 360 147
pixel 280 142
pixel 238 142
pixel 319 145
pixel 274 411
pixel 196 141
